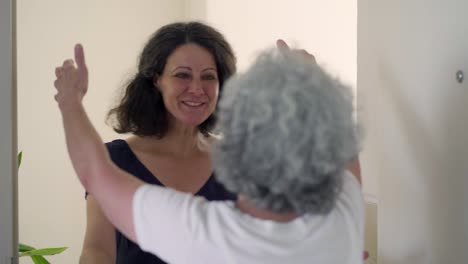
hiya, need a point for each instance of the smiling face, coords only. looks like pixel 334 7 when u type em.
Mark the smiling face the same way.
pixel 189 84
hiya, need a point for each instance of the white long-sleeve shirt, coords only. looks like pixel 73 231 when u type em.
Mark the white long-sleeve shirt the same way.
pixel 181 228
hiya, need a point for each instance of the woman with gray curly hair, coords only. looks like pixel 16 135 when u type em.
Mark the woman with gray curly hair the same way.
pixel 288 137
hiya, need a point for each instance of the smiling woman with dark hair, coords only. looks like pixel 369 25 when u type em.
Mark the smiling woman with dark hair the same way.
pixel 169 109
pixel 288 137
pixel 142 110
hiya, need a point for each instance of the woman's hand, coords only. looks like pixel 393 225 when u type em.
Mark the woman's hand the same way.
pixel 283 46
pixel 72 81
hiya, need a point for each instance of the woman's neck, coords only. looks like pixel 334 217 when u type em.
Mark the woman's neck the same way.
pixel 179 141
pixel 244 205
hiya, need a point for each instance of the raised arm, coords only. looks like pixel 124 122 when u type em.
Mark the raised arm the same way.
pixel 110 186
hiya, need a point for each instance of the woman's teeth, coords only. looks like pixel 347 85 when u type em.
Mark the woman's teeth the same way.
pixel 192 103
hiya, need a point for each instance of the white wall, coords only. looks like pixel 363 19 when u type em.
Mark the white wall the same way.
pixel 325 28
pixel 51 201
pixel 408 54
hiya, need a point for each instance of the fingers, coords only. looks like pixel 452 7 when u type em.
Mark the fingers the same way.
pixel 282 45
pixel 72 77
pixel 307 55
pixel 67 65
pixel 79 56
pixel 58 72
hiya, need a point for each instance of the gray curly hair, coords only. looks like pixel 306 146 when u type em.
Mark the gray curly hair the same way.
pixel 288 134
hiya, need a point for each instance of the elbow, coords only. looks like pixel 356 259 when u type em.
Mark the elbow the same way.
pixel 93 175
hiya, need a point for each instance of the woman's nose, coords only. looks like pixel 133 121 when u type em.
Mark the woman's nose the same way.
pixel 196 87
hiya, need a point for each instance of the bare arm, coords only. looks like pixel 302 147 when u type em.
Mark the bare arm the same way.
pixel 99 241
pixel 355 168
pixel 89 157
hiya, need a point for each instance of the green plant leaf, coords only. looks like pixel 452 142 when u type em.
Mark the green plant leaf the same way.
pixel 24 248
pixel 39 260
pixel 20 158
pixel 43 252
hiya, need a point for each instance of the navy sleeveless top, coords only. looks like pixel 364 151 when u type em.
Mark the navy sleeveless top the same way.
pixel 128 252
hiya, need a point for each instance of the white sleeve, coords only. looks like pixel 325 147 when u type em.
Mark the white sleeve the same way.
pixel 162 219
pixel 351 202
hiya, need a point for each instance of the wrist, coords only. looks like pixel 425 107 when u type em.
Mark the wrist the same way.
pixel 70 106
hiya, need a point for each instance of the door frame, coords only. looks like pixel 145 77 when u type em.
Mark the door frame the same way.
pixel 8 135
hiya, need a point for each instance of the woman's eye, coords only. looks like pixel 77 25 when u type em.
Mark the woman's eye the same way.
pixel 209 77
pixel 182 75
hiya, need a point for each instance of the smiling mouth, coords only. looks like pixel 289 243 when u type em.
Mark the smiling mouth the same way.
pixel 192 104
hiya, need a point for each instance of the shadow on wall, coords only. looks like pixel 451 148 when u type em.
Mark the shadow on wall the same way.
pixel 399 217
pixel 426 208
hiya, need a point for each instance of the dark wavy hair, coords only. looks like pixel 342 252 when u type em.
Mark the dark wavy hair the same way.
pixel 141 110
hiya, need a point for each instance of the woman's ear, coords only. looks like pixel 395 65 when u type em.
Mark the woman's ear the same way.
pixel 156 81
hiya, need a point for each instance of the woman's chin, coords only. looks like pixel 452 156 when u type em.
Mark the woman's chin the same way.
pixel 193 121
pixel 191 118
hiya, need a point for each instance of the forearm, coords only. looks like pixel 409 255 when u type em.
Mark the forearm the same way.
pixel 112 187
pixel 85 148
